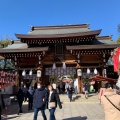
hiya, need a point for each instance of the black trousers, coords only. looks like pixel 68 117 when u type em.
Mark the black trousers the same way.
pixel 30 104
pixel 20 106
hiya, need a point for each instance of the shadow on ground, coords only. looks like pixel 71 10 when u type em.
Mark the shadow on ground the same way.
pixel 13 109
pixel 8 118
pixel 76 118
pixel 76 97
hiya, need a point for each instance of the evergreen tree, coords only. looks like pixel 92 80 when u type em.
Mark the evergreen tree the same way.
pixel 6 64
pixel 118 40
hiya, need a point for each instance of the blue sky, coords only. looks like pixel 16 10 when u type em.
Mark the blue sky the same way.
pixel 16 16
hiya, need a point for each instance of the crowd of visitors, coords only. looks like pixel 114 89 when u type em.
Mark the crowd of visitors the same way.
pixel 40 99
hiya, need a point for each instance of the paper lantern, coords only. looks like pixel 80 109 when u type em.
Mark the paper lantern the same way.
pixel 38 73
pixel 79 72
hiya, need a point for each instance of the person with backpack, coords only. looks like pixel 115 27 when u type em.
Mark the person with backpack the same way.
pixel 40 99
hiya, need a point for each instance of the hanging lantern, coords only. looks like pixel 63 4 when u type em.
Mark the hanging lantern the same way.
pixel 54 66
pixel 105 73
pixel 64 65
pixel 38 73
pixel 30 72
pixel 95 71
pixel 15 73
pixel 23 73
pixel 88 71
pixel 79 72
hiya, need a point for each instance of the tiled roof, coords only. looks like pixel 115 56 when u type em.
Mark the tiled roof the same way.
pixel 63 29
pixel 103 40
pixel 59 29
pixel 88 33
pixel 17 46
pixel 85 47
pixel 27 50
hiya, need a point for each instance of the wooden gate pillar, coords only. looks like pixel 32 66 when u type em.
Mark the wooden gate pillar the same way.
pixel 16 87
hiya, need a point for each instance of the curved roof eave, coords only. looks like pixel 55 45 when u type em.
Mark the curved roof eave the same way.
pixel 92 47
pixel 27 36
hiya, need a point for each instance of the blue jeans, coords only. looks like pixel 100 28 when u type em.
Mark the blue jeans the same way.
pixel 52 115
pixel 36 110
pixel 70 97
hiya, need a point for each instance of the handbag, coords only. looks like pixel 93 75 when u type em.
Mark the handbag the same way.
pixel 52 104
pixel 111 103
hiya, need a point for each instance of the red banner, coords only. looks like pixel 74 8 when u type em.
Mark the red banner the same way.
pixel 115 61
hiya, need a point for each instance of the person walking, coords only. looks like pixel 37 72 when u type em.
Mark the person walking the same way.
pixel 53 101
pixel 2 104
pixel 66 86
pixel 30 98
pixel 25 89
pixel 111 104
pixel 40 98
pixel 86 90
pixel 20 99
pixel 70 92
pixel 61 87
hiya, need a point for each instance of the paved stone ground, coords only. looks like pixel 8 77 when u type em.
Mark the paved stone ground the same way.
pixel 71 111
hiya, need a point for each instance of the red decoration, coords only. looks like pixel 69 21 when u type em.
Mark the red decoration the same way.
pixel 6 79
pixel 115 61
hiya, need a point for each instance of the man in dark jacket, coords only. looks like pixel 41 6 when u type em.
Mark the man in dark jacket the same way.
pixel 2 104
pixel 20 98
pixel 39 100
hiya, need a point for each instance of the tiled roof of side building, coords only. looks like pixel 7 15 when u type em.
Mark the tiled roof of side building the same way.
pixel 92 47
pixel 18 45
pixel 104 40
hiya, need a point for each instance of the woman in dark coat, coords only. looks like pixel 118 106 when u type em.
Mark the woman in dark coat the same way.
pixel 2 104
pixel 54 99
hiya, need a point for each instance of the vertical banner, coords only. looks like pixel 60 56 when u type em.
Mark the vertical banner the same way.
pixel 115 61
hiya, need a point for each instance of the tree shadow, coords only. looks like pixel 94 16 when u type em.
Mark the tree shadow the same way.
pixel 76 118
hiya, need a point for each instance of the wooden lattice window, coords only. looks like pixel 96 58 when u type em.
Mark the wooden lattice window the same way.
pixel 59 49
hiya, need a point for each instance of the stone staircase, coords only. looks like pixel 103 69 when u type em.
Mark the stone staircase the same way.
pixel 80 98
